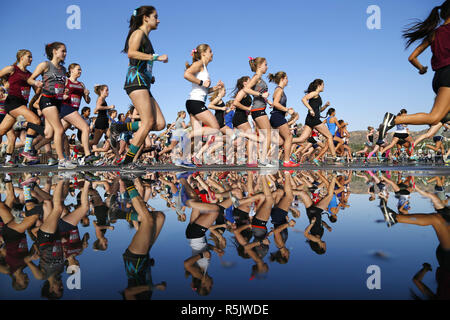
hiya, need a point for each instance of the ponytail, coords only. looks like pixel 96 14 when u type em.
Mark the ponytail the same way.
pixel 50 47
pixel 197 54
pixel 314 85
pixel 99 88
pixel 136 20
pixel 21 53
pixel 423 30
pixel 277 77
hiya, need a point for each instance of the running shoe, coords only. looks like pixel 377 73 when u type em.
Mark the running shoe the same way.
pixel 28 156
pixel 66 164
pixel 91 158
pixel 413 158
pixel 31 179
pixel 290 164
pixel 20 123
pixel 9 164
pixel 388 124
pixel 52 162
pixel 316 162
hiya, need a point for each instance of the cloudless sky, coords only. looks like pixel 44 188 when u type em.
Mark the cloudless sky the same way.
pixel 366 72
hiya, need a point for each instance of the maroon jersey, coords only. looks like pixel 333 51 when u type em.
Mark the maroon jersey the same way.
pixel 18 85
pixel 16 251
pixel 75 92
pixel 71 243
pixel 441 48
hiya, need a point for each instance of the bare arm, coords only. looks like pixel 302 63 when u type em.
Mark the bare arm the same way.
pixel 6 71
pixel 133 48
pixel 276 100
pixel 413 58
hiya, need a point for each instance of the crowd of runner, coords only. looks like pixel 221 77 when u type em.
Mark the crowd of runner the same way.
pixel 249 127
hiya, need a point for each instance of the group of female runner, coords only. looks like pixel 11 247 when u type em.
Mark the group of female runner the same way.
pixel 54 108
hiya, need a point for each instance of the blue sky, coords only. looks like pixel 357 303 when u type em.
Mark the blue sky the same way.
pixel 366 72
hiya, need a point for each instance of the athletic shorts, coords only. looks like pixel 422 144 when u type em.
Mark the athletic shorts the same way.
pixel 195 231
pixel 401 136
pixel 136 267
pixel 13 102
pixel 278 216
pixel 259 113
pixel 66 110
pixel 441 78
pixel 101 123
pixel 195 107
pixel 131 89
pixel 277 119
pixel 312 121
pixel 438 138
pixel 259 228
pixel 46 102
pixel 312 140
pixel 220 119
pixel 2 116
pixel 239 118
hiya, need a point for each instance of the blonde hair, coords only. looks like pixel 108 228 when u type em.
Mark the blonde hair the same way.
pixel 21 53
pixel 277 77
pixel 197 53
pixel 256 62
pixel 180 113
pixel 99 88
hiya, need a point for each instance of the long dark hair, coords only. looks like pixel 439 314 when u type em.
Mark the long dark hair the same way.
pixel 313 85
pixel 239 85
pixel 136 20
pixel 420 30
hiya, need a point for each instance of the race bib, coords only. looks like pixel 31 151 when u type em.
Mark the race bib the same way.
pixel 59 91
pixel 25 91
pixel 149 70
pixel 75 101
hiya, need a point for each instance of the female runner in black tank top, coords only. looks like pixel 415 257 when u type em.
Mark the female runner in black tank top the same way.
pixel 313 102
pixel 139 77
pixel 243 102
pixel 101 108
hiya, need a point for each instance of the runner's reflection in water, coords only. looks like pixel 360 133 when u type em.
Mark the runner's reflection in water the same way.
pixel 136 258
pixel 314 232
pixel 202 217
pixel 440 221
pixel 281 222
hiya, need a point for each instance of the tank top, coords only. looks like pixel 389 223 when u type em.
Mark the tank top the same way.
pixel 103 113
pixel 54 81
pixel 18 85
pixel 315 104
pixel 220 113
pixel 331 126
pixel 283 102
pixel 246 101
pixel 259 102
pixel 75 92
pixel 140 72
pixel 199 93
pixel 441 48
